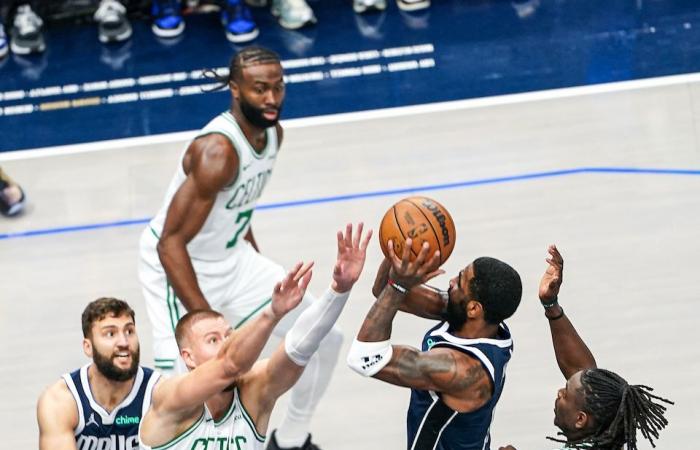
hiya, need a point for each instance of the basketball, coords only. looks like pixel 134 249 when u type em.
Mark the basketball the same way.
pixel 423 220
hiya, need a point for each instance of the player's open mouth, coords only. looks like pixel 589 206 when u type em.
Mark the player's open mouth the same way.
pixel 270 114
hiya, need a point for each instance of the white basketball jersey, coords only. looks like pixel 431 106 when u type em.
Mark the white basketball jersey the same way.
pixel 235 431
pixel 229 220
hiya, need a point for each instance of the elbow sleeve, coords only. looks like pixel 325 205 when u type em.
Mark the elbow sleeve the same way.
pixel 368 358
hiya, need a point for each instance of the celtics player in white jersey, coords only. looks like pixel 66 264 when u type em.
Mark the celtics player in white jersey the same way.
pixel 199 251
pixel 225 401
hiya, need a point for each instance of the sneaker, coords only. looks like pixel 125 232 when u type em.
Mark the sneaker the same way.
pixel 167 18
pixel 412 5
pixel 361 6
pixel 112 24
pixel 4 48
pixel 26 36
pixel 11 196
pixel 307 445
pixel 238 22
pixel 292 14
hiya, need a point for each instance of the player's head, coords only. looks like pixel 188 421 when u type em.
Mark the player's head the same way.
pixel 109 331
pixel 200 335
pixel 486 289
pixel 257 85
pixel 598 409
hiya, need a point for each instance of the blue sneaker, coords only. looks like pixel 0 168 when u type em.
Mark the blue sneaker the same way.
pixel 167 18
pixel 3 42
pixel 238 21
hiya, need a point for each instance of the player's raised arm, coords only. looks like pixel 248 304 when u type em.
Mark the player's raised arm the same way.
pixel 571 351
pixel 210 164
pixel 272 378
pixel 241 349
pixel 422 300
pixel 57 417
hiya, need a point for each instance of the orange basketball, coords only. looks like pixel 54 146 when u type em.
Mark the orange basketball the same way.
pixel 423 220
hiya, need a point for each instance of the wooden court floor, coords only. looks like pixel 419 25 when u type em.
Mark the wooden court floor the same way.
pixel 630 240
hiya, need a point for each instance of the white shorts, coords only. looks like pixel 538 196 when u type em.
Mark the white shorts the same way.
pixel 239 287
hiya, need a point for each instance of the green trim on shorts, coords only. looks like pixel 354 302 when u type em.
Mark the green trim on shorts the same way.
pixel 172 312
pixel 247 418
pixel 255 311
pixel 154 232
pixel 183 435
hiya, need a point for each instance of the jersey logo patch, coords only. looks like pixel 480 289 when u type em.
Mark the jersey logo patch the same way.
pixel 92 421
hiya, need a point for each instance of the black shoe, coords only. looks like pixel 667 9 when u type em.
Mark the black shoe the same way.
pixel 11 196
pixel 307 445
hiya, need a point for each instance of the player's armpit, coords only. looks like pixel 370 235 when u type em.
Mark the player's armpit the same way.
pixel 57 416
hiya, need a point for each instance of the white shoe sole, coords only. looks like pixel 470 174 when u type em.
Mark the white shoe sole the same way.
pixel 118 38
pixel 240 38
pixel 413 6
pixel 360 8
pixel 26 50
pixel 175 32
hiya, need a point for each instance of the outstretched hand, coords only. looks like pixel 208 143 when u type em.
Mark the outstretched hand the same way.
pixel 288 293
pixel 552 278
pixel 409 274
pixel 352 252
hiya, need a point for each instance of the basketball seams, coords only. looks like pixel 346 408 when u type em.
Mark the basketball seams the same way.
pixel 398 227
pixel 435 234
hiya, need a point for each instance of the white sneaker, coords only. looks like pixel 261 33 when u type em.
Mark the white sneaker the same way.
pixel 112 24
pixel 26 36
pixel 360 6
pixel 412 5
pixel 292 14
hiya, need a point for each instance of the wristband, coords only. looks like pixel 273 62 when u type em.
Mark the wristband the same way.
pixel 400 289
pixel 557 317
pixel 551 304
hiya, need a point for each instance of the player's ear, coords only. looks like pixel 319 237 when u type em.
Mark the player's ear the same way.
pixel 475 309
pixel 87 347
pixel 235 89
pixel 186 354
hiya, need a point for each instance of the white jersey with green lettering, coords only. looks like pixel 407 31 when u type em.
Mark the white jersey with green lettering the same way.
pixel 229 219
pixel 235 431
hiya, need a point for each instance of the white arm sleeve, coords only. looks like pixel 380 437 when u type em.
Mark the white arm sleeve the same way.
pixel 368 358
pixel 303 339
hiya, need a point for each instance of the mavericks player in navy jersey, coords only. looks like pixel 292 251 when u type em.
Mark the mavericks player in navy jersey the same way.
pixel 99 406
pixel 458 375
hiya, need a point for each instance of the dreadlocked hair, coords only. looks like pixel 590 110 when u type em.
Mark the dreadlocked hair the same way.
pixel 618 410
pixel 249 56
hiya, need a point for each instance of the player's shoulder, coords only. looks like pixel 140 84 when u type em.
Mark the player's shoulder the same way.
pixel 57 403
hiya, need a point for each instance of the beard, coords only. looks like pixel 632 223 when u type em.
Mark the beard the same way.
pixel 255 115
pixel 110 371
pixel 455 313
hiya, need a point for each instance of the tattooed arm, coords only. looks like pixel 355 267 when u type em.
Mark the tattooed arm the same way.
pixel 462 380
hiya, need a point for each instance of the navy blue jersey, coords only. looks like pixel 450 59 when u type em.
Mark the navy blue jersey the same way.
pixel 99 430
pixel 434 425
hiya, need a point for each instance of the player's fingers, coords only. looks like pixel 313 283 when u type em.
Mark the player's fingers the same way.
pixel 341 241
pixel 433 263
pixel 422 254
pixel 406 256
pixel 305 280
pixel 278 288
pixel 348 235
pixel 358 236
pixel 365 241
pixel 302 270
pixel 395 261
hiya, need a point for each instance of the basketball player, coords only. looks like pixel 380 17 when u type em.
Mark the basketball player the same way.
pixel 457 377
pixel 99 406
pixel 199 252
pixel 597 409
pixel 223 403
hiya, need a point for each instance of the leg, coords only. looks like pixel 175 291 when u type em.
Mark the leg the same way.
pixel 162 307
